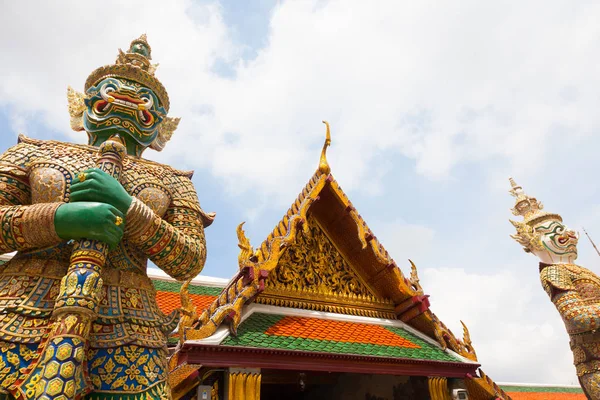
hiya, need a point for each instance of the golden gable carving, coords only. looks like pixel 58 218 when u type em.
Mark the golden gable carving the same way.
pixel 313 274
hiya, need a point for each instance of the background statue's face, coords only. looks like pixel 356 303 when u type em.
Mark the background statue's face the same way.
pixel 121 106
pixel 559 243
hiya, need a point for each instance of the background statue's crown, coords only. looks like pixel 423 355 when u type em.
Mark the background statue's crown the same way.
pixel 528 207
pixel 134 65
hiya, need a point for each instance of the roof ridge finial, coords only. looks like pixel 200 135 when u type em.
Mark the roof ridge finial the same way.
pixel 323 164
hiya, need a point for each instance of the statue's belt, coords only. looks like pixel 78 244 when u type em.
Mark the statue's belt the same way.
pixel 584 338
pixel 56 270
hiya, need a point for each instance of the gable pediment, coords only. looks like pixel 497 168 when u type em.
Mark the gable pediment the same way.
pixel 313 274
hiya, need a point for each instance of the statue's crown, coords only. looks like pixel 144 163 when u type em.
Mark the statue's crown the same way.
pixel 134 64
pixel 139 54
pixel 528 207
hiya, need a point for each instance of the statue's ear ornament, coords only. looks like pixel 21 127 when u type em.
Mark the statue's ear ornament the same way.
pixel 165 131
pixel 76 108
pixel 523 235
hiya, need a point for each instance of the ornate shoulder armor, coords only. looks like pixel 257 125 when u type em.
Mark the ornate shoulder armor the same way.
pixel 556 276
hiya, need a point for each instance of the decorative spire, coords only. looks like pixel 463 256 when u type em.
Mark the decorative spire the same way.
pixel 133 65
pixel 141 46
pixel 323 165
pixel 139 54
pixel 528 207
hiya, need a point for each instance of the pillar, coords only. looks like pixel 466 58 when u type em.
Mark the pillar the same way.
pixel 438 388
pixel 243 384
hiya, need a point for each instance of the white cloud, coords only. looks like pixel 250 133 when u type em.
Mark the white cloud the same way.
pixel 442 84
pixel 515 329
pixel 404 240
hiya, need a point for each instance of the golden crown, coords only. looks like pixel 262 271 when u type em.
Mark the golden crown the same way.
pixel 528 207
pixel 134 65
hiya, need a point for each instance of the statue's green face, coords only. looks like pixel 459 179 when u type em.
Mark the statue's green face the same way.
pixel 120 106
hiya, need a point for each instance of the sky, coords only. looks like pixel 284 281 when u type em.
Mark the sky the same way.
pixel 432 106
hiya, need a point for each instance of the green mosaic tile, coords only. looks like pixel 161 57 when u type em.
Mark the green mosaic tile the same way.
pixel 532 389
pixel 251 334
pixel 175 287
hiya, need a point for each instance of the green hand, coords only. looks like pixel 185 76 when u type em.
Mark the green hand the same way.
pixel 100 187
pixel 96 221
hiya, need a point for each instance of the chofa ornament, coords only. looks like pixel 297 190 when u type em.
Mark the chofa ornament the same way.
pixel 574 290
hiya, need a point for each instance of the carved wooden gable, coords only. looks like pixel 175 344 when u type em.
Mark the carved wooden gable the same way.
pixel 312 274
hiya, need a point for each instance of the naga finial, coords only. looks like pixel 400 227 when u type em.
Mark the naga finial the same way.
pixel 414 278
pixel 467 340
pixel 244 245
pixel 323 164
pixel 189 315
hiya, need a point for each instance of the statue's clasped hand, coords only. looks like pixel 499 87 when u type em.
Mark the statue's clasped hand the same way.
pixel 97 208
pixel 98 186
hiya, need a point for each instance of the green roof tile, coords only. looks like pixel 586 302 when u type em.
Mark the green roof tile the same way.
pixel 538 389
pixel 175 287
pixel 251 333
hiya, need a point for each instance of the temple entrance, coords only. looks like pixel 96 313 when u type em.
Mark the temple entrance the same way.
pixel 295 385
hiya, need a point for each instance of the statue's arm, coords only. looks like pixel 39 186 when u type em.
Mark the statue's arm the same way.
pixel 578 314
pixel 176 243
pixel 24 226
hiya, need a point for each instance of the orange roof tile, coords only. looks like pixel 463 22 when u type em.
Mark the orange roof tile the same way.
pixel 338 331
pixel 168 301
pixel 546 396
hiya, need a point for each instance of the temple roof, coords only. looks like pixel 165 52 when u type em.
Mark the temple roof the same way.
pixel 521 391
pixel 286 332
pixel 322 256
pixel 283 328
pixel 287 338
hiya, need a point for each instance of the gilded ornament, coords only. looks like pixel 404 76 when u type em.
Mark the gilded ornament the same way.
pixel 414 278
pixel 188 310
pixel 323 164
